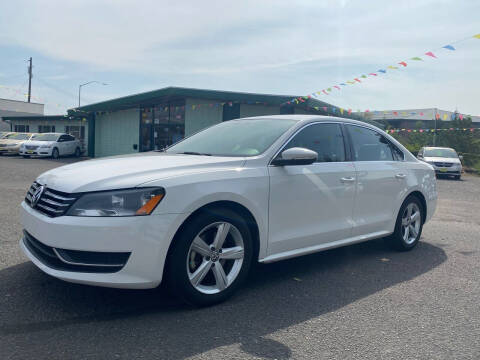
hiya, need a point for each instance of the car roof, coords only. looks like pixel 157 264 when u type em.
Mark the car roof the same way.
pixel 306 119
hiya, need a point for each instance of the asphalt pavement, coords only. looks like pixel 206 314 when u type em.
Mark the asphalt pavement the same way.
pixel 356 302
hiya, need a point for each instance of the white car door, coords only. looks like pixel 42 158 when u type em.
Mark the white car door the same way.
pixel 381 181
pixel 71 144
pixel 312 204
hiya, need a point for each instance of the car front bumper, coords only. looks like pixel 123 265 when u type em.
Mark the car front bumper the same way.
pixel 36 152
pixel 9 150
pixel 145 238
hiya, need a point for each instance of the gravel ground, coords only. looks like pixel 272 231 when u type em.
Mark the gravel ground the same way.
pixel 361 301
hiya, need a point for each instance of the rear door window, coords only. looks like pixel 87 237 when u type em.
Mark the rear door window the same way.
pixel 369 145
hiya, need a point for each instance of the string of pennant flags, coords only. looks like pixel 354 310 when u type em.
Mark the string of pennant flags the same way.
pixel 392 131
pixel 382 71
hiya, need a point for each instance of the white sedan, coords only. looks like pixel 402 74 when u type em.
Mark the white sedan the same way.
pixel 51 145
pixel 199 214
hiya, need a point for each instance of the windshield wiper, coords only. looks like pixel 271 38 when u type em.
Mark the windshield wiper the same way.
pixel 194 153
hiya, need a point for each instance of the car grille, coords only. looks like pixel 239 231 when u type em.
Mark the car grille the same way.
pixel 75 260
pixel 443 164
pixel 31 147
pixel 52 203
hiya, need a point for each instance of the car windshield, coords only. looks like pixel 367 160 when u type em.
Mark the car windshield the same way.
pixel 46 137
pixel 445 153
pixel 20 137
pixel 234 138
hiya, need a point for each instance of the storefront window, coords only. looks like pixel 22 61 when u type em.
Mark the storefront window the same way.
pixel 46 128
pixel 77 131
pixel 162 125
pixel 22 128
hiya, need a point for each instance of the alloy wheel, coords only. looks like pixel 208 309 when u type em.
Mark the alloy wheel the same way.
pixel 215 257
pixel 411 222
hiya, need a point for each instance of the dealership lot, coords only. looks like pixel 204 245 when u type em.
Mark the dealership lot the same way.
pixel 362 301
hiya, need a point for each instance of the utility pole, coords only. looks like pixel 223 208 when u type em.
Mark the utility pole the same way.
pixel 435 133
pixel 29 79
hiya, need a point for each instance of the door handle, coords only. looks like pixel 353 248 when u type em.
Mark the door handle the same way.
pixel 400 176
pixel 347 179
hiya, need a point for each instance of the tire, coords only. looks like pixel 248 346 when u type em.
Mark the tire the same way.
pixel 55 154
pixel 457 177
pixel 214 276
pixel 26 156
pixel 401 241
pixel 77 152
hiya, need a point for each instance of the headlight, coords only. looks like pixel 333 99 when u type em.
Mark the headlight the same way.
pixel 130 202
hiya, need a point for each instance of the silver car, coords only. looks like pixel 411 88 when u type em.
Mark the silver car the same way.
pixel 445 160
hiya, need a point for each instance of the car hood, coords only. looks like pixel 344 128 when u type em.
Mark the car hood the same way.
pixel 121 172
pixel 442 159
pixel 10 141
pixel 39 143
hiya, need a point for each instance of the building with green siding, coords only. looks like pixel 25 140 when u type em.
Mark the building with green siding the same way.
pixel 156 119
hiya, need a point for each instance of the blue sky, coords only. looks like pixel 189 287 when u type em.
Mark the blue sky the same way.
pixel 275 46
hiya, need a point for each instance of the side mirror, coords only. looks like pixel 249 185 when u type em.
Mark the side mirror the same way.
pixel 296 156
pixel 460 157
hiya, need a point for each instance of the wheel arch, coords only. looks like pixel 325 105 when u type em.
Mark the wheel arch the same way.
pixel 418 194
pixel 240 209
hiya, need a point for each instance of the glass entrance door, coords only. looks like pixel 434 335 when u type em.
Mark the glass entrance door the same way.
pixel 146 130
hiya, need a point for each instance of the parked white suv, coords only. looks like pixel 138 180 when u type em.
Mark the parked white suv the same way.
pixel 51 145
pixel 199 214
pixel 444 160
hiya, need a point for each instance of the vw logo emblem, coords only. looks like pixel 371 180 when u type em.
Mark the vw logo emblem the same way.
pixel 37 195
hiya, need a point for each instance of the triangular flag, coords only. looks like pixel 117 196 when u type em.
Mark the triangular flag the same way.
pixel 350 82
pixel 392 67
pixel 324 108
pixel 341 111
pixel 318 92
pixel 403 63
pixel 363 76
pixel 336 86
pixel 382 71
pixel 325 92
pixel 445 117
pixel 429 53
pixel 477 36
pixel 356 79
pixel 416 58
pixel 449 47
pixel 421 114
pixel 373 74
pixel 329 89
pixel 349 111
pixel 460 117
pixel 343 84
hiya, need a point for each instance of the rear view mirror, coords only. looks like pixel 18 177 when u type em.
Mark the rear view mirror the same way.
pixel 296 156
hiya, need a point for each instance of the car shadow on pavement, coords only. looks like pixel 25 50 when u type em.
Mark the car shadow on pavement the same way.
pixel 42 315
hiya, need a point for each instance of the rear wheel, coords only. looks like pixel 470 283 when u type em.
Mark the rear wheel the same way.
pixel 210 257
pixel 409 225
pixel 77 152
pixel 457 177
pixel 55 154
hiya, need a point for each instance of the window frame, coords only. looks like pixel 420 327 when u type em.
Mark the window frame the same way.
pixel 346 143
pixel 390 144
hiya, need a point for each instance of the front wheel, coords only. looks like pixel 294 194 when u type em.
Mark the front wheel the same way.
pixel 77 152
pixel 55 154
pixel 457 177
pixel 409 225
pixel 210 257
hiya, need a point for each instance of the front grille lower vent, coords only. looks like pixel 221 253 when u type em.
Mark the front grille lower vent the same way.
pixel 49 202
pixel 443 164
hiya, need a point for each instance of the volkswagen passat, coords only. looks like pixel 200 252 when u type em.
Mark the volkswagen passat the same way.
pixel 199 214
